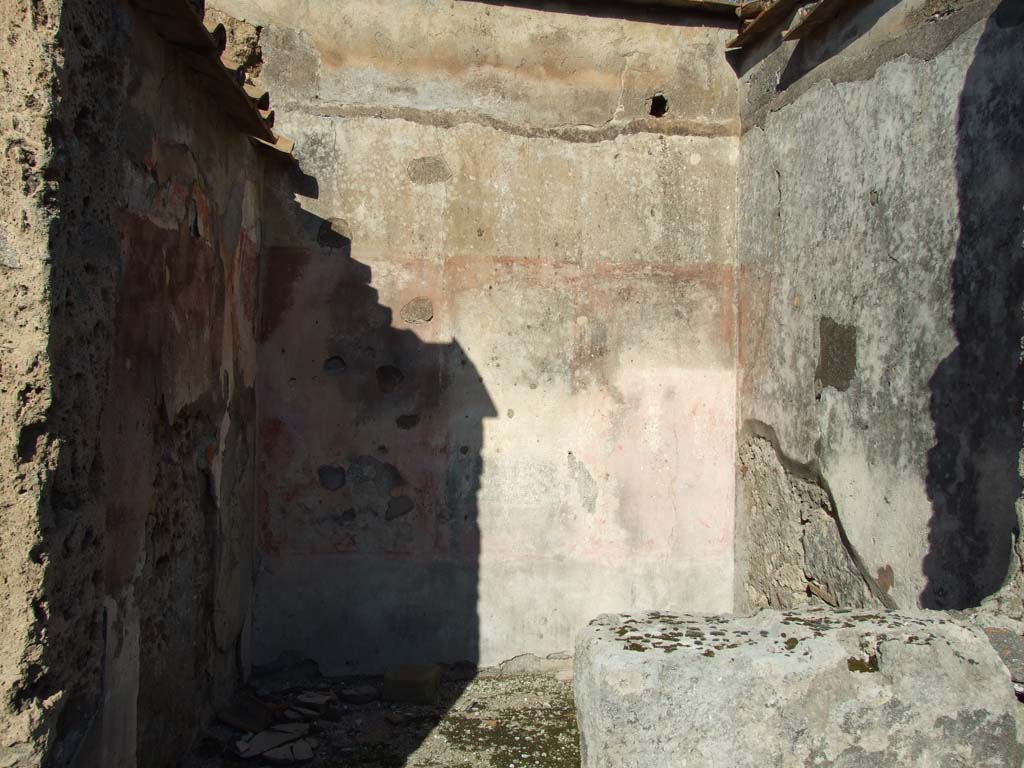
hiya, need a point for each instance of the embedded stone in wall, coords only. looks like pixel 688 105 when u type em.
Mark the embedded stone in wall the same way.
pixel 429 170
pixel 792 549
pixel 419 310
pixel 837 354
pixel 331 477
pixel 799 688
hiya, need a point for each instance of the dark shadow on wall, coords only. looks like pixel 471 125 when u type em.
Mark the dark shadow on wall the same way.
pixel 369 464
pixel 623 9
pixel 977 391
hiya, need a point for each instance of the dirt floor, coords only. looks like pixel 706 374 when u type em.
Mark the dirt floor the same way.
pixel 487 722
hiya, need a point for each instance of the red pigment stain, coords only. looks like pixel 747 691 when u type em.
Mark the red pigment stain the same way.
pixel 276 441
pixel 284 268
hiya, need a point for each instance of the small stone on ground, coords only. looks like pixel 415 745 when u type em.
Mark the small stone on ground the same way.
pixel 489 722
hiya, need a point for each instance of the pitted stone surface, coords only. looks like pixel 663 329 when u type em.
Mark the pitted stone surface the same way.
pixel 797 688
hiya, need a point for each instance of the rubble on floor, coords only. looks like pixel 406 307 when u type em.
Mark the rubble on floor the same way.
pixel 413 716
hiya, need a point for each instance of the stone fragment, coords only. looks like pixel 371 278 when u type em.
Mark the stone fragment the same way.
pixel 413 684
pixel 303 750
pixel 264 741
pixel 429 170
pixel 528 664
pixel 315 700
pixel 798 688
pixel 296 729
pixel 300 751
pixel 359 694
pixel 419 310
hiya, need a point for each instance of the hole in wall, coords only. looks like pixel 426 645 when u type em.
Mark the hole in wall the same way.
pixel 407 421
pixel 331 477
pixel 388 378
pixel 659 105
pixel 335 366
pixel 28 440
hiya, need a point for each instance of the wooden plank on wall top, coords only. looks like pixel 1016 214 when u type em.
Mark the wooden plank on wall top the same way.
pixel 816 16
pixel 177 22
pixel 771 17
pixel 726 7
pixel 221 83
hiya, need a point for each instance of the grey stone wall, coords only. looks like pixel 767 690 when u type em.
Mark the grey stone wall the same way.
pixel 880 273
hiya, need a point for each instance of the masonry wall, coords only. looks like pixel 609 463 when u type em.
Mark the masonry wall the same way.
pixel 496 371
pixel 58 185
pixel 881 278
pixel 178 431
pixel 129 250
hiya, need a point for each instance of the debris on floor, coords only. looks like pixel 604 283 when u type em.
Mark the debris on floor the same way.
pixel 414 716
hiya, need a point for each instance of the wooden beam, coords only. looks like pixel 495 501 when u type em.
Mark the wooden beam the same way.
pixel 816 16
pixel 726 7
pixel 749 10
pixel 177 22
pixel 770 18
pixel 260 98
pixel 279 148
pixel 220 36
pixel 221 83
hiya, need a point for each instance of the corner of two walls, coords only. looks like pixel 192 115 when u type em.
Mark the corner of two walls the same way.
pixel 496 376
pixel 880 290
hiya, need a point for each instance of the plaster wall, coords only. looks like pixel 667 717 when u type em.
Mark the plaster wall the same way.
pixel 496 381
pixel 880 274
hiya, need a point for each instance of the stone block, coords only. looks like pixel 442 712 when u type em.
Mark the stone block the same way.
pixel 798 688
pixel 528 664
pixel 412 684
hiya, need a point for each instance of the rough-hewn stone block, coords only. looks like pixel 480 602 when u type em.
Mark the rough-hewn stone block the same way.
pixel 800 688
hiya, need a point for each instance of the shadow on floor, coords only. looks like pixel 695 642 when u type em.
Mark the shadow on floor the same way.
pixel 489 722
